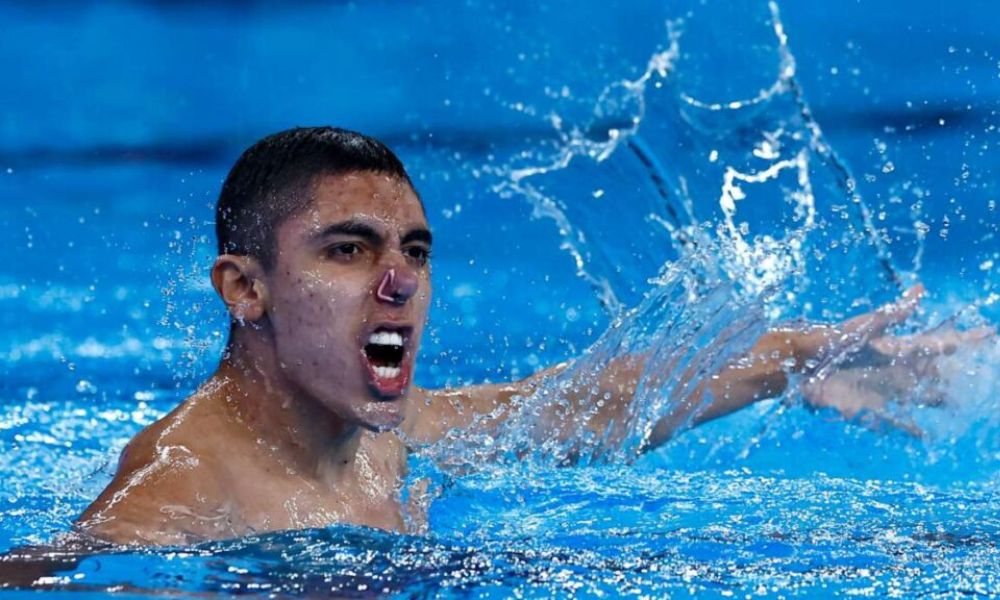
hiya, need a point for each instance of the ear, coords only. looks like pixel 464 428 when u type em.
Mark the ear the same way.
pixel 240 282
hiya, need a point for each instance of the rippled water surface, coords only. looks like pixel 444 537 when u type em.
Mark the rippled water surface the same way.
pixel 669 179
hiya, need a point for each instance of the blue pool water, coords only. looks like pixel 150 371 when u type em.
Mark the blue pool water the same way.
pixel 574 160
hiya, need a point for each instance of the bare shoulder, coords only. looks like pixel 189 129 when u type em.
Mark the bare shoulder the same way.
pixel 169 487
pixel 433 413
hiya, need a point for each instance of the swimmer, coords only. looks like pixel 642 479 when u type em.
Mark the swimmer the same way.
pixel 325 269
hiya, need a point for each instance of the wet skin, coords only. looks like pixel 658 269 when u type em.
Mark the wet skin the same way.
pixel 297 429
pixel 293 430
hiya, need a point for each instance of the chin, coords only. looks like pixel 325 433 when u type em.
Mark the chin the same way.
pixel 384 416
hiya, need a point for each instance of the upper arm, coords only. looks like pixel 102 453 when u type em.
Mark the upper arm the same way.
pixel 180 509
pixel 569 402
pixel 594 396
pixel 433 413
pixel 590 398
pixel 161 495
pixel 131 524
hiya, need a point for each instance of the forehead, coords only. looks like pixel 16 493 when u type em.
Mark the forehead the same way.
pixel 373 197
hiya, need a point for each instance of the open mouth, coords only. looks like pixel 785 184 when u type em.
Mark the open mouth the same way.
pixel 385 356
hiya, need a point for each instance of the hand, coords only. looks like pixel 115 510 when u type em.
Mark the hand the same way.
pixel 818 347
pixel 857 369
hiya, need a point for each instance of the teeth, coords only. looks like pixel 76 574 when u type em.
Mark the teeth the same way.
pixel 386 338
pixel 387 372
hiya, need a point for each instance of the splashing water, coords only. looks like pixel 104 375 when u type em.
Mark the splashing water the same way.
pixel 654 155
pixel 765 245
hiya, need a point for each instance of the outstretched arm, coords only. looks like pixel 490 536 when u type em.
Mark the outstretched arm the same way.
pixel 602 401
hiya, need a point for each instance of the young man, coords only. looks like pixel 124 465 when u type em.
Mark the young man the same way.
pixel 323 264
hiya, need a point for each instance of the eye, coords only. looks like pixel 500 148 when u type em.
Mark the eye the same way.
pixel 346 250
pixel 417 254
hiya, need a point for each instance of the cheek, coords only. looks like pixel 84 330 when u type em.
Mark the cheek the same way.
pixel 313 310
pixel 302 301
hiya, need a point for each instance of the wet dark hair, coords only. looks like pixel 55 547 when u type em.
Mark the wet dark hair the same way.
pixel 272 180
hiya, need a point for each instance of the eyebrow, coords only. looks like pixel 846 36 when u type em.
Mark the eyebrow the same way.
pixel 419 234
pixel 366 231
pixel 353 228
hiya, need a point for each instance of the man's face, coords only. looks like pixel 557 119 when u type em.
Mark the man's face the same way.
pixel 348 295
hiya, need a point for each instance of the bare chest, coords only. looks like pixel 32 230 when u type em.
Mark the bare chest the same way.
pixel 365 491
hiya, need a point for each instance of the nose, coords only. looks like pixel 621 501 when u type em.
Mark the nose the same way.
pixel 396 286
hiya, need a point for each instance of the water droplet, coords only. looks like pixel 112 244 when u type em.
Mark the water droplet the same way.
pixel 85 387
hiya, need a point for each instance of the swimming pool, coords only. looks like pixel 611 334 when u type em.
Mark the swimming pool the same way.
pixel 124 118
